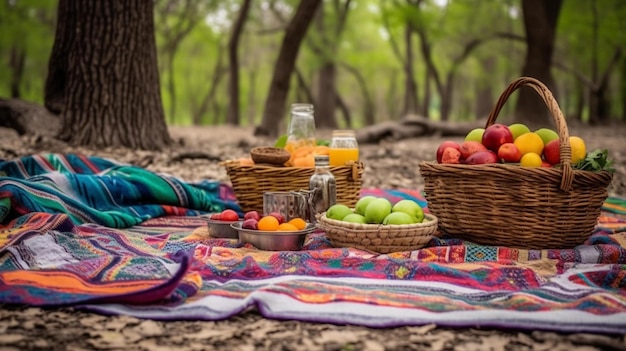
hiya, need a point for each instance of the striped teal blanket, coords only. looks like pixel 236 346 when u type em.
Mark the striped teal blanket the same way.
pixel 101 191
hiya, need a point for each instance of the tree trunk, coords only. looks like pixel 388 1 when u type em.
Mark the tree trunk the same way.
pixel 103 75
pixel 369 109
pixel 233 82
pixel 16 62
pixel 326 96
pixel 410 87
pixel 540 19
pixel 484 90
pixel 274 109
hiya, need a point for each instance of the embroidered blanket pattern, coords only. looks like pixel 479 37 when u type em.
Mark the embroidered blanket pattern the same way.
pixel 167 267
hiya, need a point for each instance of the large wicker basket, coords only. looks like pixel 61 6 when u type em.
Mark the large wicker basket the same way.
pixel 509 205
pixel 377 237
pixel 250 182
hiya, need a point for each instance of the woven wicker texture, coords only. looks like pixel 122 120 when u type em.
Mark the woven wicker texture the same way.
pixel 509 205
pixel 272 155
pixel 250 182
pixel 377 237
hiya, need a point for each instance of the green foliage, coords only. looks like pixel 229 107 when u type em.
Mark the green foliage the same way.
pixel 596 161
pixel 364 45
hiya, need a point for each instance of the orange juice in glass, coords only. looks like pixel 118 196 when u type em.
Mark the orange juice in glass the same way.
pixel 343 148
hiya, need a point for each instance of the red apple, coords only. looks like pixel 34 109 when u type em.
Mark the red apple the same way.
pixel 508 152
pixel 250 223
pixel 278 216
pixel 469 148
pixel 252 215
pixel 451 156
pixel 495 135
pixel 545 164
pixel 216 216
pixel 443 146
pixel 482 157
pixel 229 215
pixel 552 153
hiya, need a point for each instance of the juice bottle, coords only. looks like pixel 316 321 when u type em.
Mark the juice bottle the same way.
pixel 343 148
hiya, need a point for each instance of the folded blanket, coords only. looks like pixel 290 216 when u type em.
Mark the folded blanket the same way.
pixel 170 268
pixel 96 190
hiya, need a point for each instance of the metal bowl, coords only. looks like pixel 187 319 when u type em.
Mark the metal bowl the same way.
pixel 222 229
pixel 274 240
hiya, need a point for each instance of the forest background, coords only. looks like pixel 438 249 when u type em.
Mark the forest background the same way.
pixel 361 62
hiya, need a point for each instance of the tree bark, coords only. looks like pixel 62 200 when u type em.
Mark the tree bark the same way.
pixel 540 19
pixel 103 75
pixel 410 86
pixel 233 82
pixel 279 87
pixel 16 62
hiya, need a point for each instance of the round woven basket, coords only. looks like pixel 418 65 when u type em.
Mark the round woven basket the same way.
pixel 270 155
pixel 377 237
pixel 509 205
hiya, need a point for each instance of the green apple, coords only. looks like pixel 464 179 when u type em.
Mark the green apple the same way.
pixel 475 134
pixel 547 135
pixel 377 210
pixel 411 208
pixel 361 205
pixel 518 129
pixel 398 218
pixel 338 211
pixel 354 218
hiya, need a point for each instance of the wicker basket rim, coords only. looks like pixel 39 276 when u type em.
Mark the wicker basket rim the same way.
pixel 511 166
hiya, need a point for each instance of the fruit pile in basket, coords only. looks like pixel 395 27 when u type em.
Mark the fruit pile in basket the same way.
pixel 378 210
pixel 517 144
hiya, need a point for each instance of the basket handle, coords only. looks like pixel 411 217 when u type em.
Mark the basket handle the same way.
pixel 559 121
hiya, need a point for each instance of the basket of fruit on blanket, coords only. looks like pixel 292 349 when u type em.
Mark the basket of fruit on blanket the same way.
pixel 374 224
pixel 250 178
pixel 505 185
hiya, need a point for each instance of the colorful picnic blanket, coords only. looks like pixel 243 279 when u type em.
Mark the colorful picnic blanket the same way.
pixel 168 268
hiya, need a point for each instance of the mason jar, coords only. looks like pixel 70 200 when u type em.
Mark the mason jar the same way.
pixel 343 148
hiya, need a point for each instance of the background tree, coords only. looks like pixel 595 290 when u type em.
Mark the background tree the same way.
pixel 540 22
pixel 279 87
pixel 103 76
pixel 233 46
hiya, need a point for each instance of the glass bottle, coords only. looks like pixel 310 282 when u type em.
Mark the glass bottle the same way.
pixel 322 187
pixel 343 148
pixel 301 131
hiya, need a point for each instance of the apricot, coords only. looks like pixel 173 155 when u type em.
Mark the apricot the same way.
pixel 244 161
pixel 304 161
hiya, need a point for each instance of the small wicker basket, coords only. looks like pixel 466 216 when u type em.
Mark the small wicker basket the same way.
pixel 377 237
pixel 509 205
pixel 250 182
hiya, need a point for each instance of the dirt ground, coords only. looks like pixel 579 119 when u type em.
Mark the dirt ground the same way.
pixel 390 164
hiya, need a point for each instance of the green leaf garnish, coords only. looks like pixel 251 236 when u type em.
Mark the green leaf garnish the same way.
pixel 596 161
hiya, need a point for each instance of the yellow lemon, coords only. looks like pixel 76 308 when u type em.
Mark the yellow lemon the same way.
pixel 579 150
pixel 530 159
pixel 529 142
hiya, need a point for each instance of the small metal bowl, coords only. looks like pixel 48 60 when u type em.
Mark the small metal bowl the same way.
pixel 222 229
pixel 274 240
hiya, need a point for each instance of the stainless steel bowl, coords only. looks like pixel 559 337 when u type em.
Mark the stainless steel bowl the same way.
pixel 222 229
pixel 274 240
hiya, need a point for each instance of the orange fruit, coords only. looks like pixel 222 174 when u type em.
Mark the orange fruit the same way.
pixel 268 223
pixel 579 150
pixel 298 223
pixel 529 142
pixel 321 150
pixel 287 227
pixel 530 159
pixel 304 161
pixel 246 162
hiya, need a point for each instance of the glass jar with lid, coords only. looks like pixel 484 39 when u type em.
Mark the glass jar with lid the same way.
pixel 343 148
pixel 301 131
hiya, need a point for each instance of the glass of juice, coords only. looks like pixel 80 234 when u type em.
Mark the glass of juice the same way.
pixel 343 148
